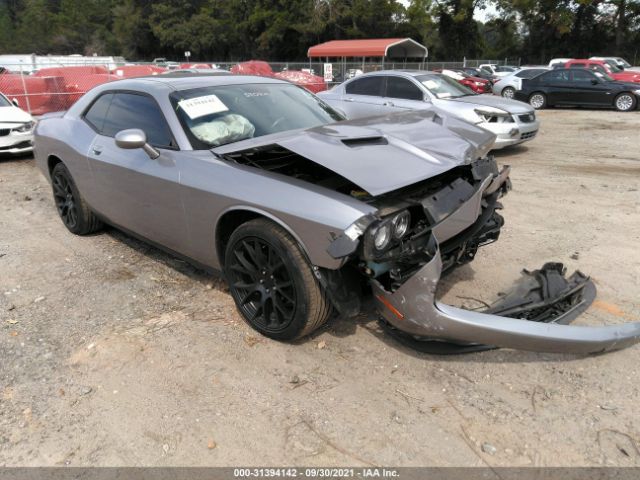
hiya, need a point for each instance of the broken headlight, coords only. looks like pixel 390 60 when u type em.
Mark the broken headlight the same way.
pixel 493 115
pixel 382 237
pixel 401 224
pixel 391 228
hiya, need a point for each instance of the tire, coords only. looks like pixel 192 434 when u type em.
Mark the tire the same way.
pixel 625 102
pixel 538 100
pixel 272 283
pixel 508 92
pixel 73 210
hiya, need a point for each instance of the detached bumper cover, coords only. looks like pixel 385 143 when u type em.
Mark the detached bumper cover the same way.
pixel 413 309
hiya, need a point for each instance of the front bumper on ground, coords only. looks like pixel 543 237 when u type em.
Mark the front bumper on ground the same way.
pixel 413 309
pixel 513 133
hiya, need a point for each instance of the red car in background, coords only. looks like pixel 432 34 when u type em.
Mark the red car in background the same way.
pixel 600 66
pixel 477 84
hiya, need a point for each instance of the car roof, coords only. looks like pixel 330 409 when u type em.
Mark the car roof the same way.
pixel 404 73
pixel 187 81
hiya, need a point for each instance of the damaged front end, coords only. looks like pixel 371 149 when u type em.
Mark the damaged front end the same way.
pixel 426 229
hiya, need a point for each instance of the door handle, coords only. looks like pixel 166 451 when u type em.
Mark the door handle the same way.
pixel 97 149
pixel 388 104
pixel 348 99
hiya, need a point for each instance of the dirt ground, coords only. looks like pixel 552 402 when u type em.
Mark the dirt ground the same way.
pixel 113 353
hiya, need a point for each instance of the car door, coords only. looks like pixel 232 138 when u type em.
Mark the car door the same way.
pixel 589 89
pixel 363 96
pixel 558 86
pixel 132 190
pixel 402 94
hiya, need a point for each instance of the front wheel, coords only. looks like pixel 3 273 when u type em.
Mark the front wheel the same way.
pixel 538 100
pixel 272 283
pixel 73 210
pixel 508 92
pixel 625 102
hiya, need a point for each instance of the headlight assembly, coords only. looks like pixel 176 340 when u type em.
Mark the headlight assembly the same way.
pixel 382 237
pixel 401 224
pixel 27 127
pixel 388 231
pixel 493 115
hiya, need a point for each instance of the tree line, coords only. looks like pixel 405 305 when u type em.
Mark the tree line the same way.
pixel 533 30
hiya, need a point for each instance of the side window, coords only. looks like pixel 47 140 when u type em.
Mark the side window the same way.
pixel 366 86
pixel 582 76
pixel 98 111
pixel 402 88
pixel 529 73
pixel 129 110
pixel 561 75
pixel 578 65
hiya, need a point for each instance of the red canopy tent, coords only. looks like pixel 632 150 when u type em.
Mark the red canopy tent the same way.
pixel 372 47
pixel 382 48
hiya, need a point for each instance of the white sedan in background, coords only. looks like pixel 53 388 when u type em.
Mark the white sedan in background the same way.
pixel 379 93
pixel 16 128
pixel 507 86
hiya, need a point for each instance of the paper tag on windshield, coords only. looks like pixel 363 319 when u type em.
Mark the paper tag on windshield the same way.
pixel 201 106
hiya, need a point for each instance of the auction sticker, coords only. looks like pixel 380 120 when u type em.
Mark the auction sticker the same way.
pixel 201 106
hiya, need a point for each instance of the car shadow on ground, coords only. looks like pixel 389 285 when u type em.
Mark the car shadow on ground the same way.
pixel 508 151
pixel 4 158
pixel 176 263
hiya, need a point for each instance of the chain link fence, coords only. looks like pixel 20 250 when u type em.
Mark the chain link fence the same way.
pixel 44 88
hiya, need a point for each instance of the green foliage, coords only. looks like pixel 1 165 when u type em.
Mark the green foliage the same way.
pixel 534 30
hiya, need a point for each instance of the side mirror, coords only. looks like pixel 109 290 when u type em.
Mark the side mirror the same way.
pixel 135 138
pixel 595 81
pixel 15 102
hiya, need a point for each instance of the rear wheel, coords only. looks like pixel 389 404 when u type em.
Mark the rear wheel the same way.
pixel 272 283
pixel 625 102
pixel 538 100
pixel 73 210
pixel 508 92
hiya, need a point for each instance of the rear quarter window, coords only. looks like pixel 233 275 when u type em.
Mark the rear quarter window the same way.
pixel 97 112
pixel 372 86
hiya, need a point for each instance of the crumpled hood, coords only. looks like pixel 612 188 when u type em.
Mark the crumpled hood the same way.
pixel 384 153
pixel 511 106
pixel 12 117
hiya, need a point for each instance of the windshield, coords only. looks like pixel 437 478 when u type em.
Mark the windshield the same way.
pixel 613 66
pixel 214 116
pixel 623 62
pixel 603 75
pixel 4 102
pixel 444 87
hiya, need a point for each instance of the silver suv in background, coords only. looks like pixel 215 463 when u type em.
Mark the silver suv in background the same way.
pixel 379 93
pixel 507 86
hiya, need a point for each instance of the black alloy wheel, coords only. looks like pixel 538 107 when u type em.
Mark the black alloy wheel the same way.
pixel 65 199
pixel 272 282
pixel 73 210
pixel 262 285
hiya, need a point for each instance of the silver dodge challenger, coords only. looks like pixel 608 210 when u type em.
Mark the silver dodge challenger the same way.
pixel 305 213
